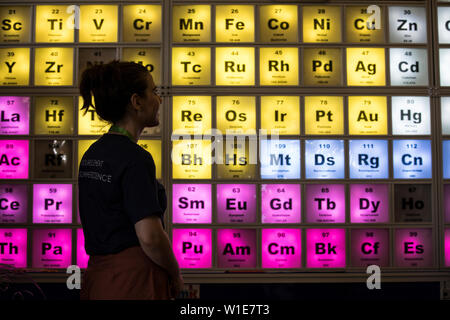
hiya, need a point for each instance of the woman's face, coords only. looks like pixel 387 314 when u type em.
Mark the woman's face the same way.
pixel 151 104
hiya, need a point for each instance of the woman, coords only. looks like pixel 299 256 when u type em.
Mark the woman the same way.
pixel 121 202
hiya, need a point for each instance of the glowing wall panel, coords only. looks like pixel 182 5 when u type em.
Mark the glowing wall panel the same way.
pixel 409 67
pixel 16 24
pixel 407 25
pixel 236 203
pixel 13 203
pixel 191 159
pixel 14 66
pixel 278 66
pixel 82 257
pixel 191 203
pixel 444 62
pixel 447 247
pixel 447 203
pixel 367 115
pixel 445 111
pixel 14 157
pixel 53 115
pixel 83 145
pixel 236 114
pixel 192 247
pixel 191 23
pixel 325 248
pixel 411 115
pixel 55 23
pixel 142 23
pixel 370 247
pixel 325 203
pixel 98 23
pixel 413 248
pixel 369 159
pixel 446 158
pixel 322 67
pixel 191 66
pixel 239 159
pixel 154 148
pixel 14 115
pixel 280 203
pixel 236 248
pixel 278 23
pixel 191 114
pixel 53 66
pixel 150 58
pixel 281 248
pixel 412 203
pixel 13 247
pixel 369 203
pixel 362 27
pixel 52 203
pixel 235 66
pixel 366 67
pixel 280 115
pixel 89 57
pixel 280 159
pixel 52 248
pixel 324 159
pixel 89 123
pixel 412 159
pixel 443 24
pixel 53 159
pixel 321 24
pixel 324 115
pixel 235 23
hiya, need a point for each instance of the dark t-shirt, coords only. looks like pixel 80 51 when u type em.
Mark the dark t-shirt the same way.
pixel 117 187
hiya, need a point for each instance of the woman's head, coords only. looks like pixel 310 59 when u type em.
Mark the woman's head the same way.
pixel 121 90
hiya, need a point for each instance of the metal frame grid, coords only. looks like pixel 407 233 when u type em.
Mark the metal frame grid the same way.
pixel 348 274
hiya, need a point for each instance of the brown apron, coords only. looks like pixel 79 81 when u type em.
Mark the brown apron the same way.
pixel 127 275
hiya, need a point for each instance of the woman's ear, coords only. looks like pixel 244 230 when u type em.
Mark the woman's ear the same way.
pixel 135 102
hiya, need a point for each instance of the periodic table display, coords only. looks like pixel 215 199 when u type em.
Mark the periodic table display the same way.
pixel 297 136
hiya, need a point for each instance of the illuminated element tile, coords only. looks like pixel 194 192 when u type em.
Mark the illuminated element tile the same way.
pixel 366 67
pixel 280 203
pixel 191 66
pixel 236 248
pixel 412 159
pixel 236 114
pixel 447 202
pixel 412 203
pixel 191 159
pixel 239 158
pixel 148 57
pixel 192 247
pixel 413 248
pixel 154 148
pixel 322 24
pixel 444 62
pixel 98 23
pixel 52 248
pixel 278 66
pixel 16 24
pixel 443 24
pixel 235 23
pixel 14 157
pixel 82 257
pixel 191 203
pixel 324 115
pixel 324 159
pixel 369 159
pixel 369 203
pixel 191 114
pixel 14 66
pixel 407 25
pixel 52 203
pixel 14 247
pixel 53 159
pixel 445 111
pixel 191 23
pixel 364 24
pixel 53 67
pixel 280 159
pixel 446 158
pixel 322 67
pixel 13 203
pixel 236 203
pixel 447 247
pixel 281 248
pixel 409 67
pixel 367 115
pixel 55 23
pixel 325 248
pixel 370 247
pixel 278 23
pixel 83 146
pixel 235 66
pixel 89 123
pixel 14 115
pixel 142 23
pixel 325 203
pixel 280 114
pixel 53 115
pixel 88 57
pixel 411 115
